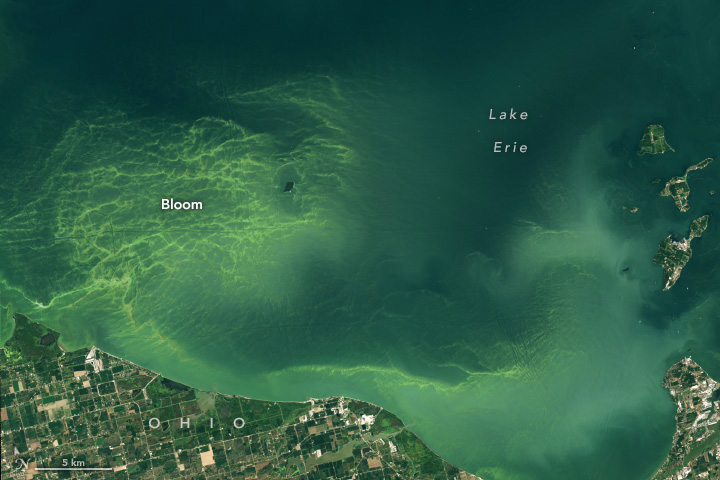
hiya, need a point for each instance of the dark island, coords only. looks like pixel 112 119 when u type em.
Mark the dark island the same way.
pixel 653 141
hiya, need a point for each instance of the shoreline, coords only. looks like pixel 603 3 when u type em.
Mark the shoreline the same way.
pixel 310 401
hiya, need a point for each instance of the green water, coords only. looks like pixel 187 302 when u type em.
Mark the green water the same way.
pixel 479 296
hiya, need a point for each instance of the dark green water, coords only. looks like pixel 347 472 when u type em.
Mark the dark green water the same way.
pixel 479 296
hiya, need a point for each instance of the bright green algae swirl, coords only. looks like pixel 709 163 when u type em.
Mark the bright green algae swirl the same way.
pixel 108 248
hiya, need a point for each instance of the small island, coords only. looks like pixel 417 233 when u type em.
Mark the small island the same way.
pixel 673 256
pixel 653 141
pixel 678 187
pixel 695 451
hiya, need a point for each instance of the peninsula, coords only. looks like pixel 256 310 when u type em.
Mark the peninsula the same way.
pixel 678 187
pixel 653 141
pixel 695 451
pixel 672 256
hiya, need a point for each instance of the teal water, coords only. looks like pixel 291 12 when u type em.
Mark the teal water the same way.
pixel 479 296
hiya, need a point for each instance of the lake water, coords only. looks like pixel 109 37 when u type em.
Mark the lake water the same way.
pixel 480 296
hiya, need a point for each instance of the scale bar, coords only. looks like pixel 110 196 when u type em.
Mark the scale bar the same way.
pixel 69 468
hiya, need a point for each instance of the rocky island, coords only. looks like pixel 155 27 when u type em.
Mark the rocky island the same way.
pixel 653 141
pixel 678 188
pixel 695 451
pixel 672 256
